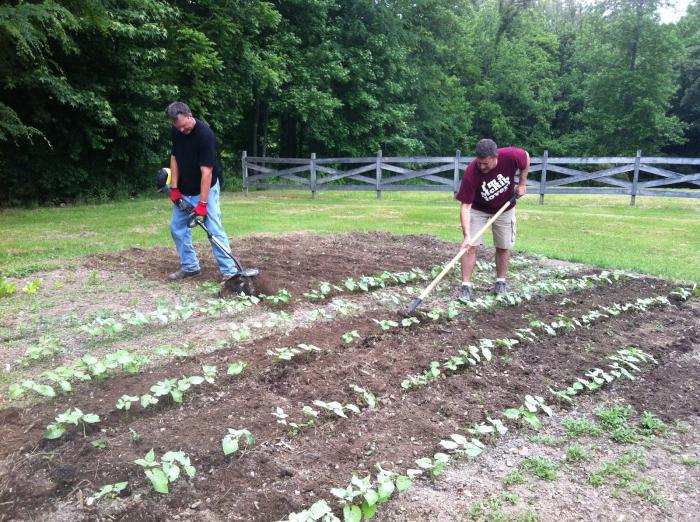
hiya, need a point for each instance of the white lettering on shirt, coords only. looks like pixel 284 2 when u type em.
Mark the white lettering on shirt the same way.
pixel 493 188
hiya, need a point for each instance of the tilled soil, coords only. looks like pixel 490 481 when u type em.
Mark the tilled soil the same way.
pixel 284 472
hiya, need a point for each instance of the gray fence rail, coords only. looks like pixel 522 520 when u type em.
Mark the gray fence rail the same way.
pixel 557 175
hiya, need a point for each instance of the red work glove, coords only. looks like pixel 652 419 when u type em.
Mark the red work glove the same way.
pixel 201 209
pixel 175 195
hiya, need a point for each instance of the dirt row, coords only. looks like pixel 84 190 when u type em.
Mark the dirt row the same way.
pixel 270 480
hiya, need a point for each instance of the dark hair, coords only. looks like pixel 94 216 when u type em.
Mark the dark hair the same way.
pixel 486 148
pixel 176 108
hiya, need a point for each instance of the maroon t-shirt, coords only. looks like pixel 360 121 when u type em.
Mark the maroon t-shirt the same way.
pixel 489 192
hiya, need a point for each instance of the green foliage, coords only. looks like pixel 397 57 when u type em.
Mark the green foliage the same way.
pixel 541 467
pixel 84 84
pixel 167 470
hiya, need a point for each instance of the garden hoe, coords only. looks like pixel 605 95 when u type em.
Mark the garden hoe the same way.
pixel 456 258
pixel 244 280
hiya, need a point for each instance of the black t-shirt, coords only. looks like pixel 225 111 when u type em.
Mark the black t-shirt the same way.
pixel 194 150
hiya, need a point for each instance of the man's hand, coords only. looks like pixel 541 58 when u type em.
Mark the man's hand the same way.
pixel 175 195
pixel 201 209
pixel 521 190
pixel 465 243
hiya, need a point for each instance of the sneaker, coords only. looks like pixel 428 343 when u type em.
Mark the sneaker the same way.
pixel 181 274
pixel 500 288
pixel 465 292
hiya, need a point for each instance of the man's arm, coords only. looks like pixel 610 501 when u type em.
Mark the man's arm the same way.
pixel 521 189
pixel 174 172
pixel 464 213
pixel 206 183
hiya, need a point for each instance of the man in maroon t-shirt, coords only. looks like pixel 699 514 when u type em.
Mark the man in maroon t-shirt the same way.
pixel 488 184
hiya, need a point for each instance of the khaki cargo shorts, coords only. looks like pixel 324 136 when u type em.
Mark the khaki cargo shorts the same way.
pixel 503 229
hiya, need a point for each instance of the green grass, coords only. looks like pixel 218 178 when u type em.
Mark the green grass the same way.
pixel 576 428
pixel 660 236
pixel 541 467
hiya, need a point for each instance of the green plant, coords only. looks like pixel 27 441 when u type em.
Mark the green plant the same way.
pixel 348 337
pixel 509 497
pixel 319 511
pixel 230 443
pixel 7 288
pixel 436 465
pixel 514 478
pixel 652 425
pixel 528 410
pixel 471 448
pixel 386 324
pixel 687 460
pixel 167 470
pixel 111 490
pixel 581 428
pixel 175 351
pixel 576 453
pixel 124 402
pixel 99 444
pixel 614 418
pixel 286 353
pixel 369 397
pixel 17 390
pixel 336 407
pixel 46 347
pixel 541 467
pixel 32 288
pixel 71 416
pixel 236 368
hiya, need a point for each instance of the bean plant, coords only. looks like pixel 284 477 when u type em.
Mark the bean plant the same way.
pixel 167 470
pixel 71 416
pixel 231 442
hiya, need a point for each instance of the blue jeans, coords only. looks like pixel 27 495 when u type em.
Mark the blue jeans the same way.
pixel 182 234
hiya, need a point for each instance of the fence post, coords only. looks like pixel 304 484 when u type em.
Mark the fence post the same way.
pixel 313 175
pixel 455 181
pixel 635 179
pixel 244 166
pixel 543 176
pixel 379 174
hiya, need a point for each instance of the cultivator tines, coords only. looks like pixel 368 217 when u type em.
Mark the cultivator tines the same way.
pixel 239 285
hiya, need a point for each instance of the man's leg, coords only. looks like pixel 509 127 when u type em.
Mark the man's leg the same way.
pixel 182 235
pixel 504 240
pixel 502 258
pixel 213 223
pixel 468 262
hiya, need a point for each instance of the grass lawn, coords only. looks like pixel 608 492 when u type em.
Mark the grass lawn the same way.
pixel 660 236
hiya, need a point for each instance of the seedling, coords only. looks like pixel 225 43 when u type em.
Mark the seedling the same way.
pixel 99 444
pixel 368 396
pixel 46 347
pixel 581 428
pixel 652 425
pixel 286 353
pixel 17 390
pixel 7 288
pixel 576 453
pixel 175 351
pixel 542 468
pixel 348 337
pixel 436 465
pixel 125 401
pixel 337 408
pixel 110 490
pixel 162 473
pixel 386 324
pixel 230 443
pixel 319 511
pixel 32 288
pixel 514 478
pixel 70 416
pixel 236 368
pixel 471 448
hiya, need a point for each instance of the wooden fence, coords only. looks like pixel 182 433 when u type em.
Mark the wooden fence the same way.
pixel 619 175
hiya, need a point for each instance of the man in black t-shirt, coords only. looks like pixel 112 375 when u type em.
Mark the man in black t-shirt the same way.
pixel 195 177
